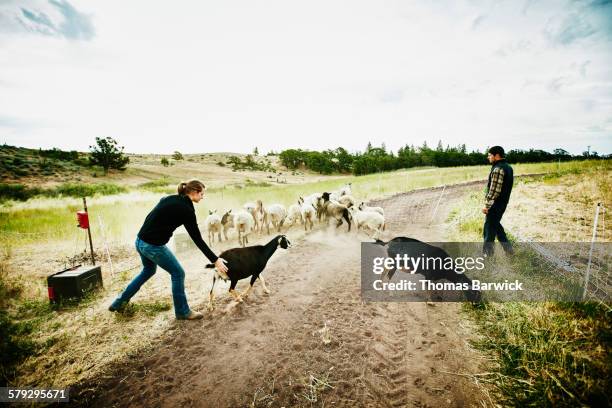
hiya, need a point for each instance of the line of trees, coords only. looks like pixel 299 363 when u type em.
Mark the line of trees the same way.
pixel 376 159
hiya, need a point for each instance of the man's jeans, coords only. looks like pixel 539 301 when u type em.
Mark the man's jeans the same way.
pixel 151 256
pixel 493 228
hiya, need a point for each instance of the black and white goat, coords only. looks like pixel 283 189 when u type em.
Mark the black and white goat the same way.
pixel 245 262
pixel 400 246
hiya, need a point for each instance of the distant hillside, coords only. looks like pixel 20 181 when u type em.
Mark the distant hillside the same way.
pixel 50 168
pixel 19 164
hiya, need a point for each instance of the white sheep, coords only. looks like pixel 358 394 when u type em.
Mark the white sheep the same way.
pixel 244 223
pixel 347 200
pixel 345 190
pixel 251 208
pixel 312 199
pixel 294 214
pixel 370 220
pixel 213 226
pixel 364 207
pixel 277 213
pixel 308 213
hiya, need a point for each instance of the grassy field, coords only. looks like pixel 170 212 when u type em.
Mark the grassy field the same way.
pixel 38 236
pixel 23 223
pixel 548 353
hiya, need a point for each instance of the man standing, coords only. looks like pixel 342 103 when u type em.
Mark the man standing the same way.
pixel 498 195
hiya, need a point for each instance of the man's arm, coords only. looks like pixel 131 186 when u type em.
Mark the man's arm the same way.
pixel 497 179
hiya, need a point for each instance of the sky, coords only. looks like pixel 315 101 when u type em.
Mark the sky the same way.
pixel 226 76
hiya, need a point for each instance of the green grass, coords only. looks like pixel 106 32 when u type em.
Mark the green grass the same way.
pixel 549 354
pixel 17 327
pixel 164 184
pixel 19 192
pixel 43 218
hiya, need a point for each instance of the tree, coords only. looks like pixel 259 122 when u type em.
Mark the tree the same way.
pixel 177 155
pixel 256 151
pixel 292 158
pixel 107 154
pixel 164 162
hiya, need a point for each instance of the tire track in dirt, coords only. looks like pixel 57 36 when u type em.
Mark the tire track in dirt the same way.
pixel 313 331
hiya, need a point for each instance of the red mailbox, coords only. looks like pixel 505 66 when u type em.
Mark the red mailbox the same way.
pixel 83 219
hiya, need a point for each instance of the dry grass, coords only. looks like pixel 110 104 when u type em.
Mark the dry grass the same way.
pixel 314 386
pixel 564 207
pixel 558 207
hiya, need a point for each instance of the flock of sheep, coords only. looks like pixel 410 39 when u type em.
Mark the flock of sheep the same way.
pixel 255 217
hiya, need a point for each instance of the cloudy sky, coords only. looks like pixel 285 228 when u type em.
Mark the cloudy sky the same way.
pixel 204 76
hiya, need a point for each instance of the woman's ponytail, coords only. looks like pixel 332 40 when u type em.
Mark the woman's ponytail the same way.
pixel 187 187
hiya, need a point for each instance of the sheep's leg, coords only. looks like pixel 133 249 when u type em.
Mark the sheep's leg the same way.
pixel 263 283
pixel 211 296
pixel 219 236
pixel 376 234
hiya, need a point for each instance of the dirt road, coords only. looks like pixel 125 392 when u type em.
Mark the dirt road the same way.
pixel 312 341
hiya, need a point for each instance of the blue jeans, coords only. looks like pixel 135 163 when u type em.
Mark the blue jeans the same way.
pixel 151 256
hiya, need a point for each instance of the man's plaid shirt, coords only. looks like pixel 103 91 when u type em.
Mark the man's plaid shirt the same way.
pixel 497 179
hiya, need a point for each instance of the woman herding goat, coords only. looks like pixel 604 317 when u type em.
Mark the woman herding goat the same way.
pixel 170 213
pixel 245 262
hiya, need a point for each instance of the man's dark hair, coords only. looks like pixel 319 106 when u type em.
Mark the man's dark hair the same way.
pixel 497 150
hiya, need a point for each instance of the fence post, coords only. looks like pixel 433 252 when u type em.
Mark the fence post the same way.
pixel 433 214
pixel 593 238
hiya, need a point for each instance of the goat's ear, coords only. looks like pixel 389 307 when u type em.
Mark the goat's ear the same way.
pixel 209 212
pixel 229 211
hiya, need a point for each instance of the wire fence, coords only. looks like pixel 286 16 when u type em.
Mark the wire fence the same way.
pixel 583 256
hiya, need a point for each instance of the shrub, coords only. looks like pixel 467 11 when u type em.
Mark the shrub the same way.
pixel 89 190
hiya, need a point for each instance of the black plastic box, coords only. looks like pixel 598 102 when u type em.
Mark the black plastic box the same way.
pixel 74 282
